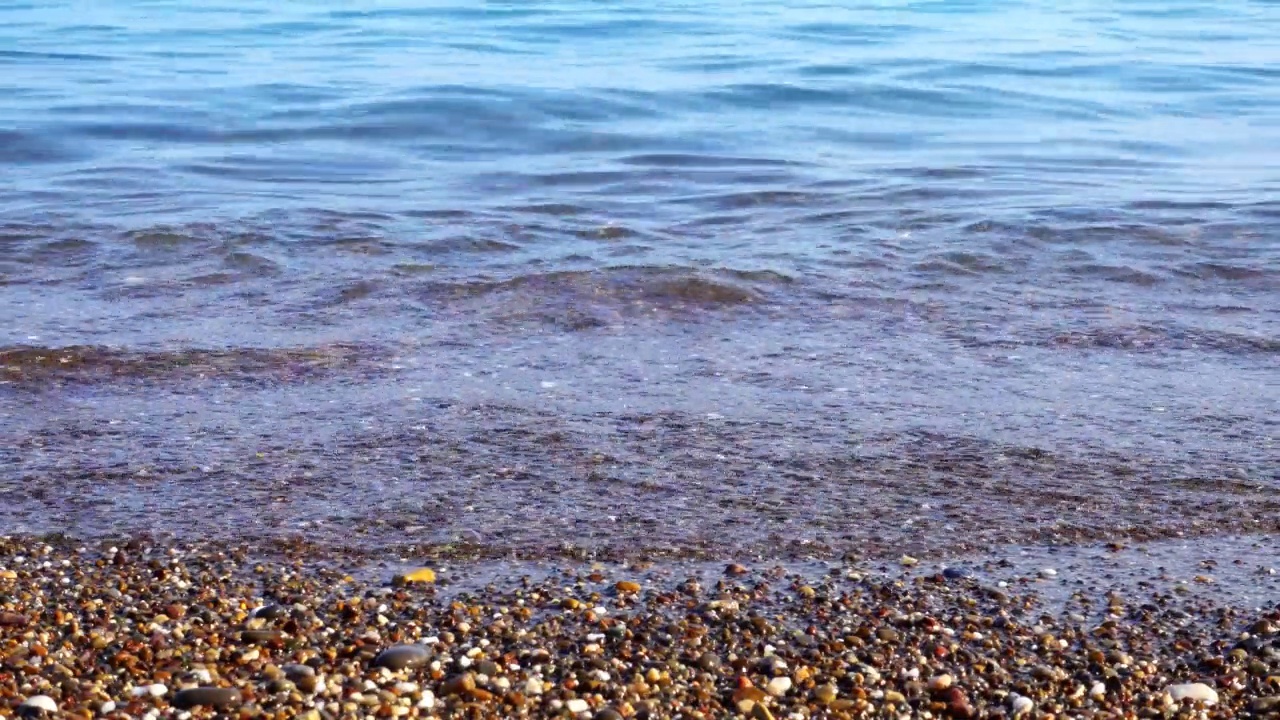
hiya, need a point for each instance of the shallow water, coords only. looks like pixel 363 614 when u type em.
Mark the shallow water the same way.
pixel 547 276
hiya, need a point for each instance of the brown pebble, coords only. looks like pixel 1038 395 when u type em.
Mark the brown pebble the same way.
pixel 12 619
pixel 735 569
pixel 459 684
pixel 627 587
pixel 479 694
pixel 206 696
pixel 260 636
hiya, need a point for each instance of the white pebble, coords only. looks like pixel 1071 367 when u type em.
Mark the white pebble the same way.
pixel 203 675
pixel 107 707
pixel 1193 691
pixel 43 703
pixel 428 700
pixel 577 705
pixel 533 687
pixel 1021 705
pixel 1098 691
pixel 778 686
pixel 1048 572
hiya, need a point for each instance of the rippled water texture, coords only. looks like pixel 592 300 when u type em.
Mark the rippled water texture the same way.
pixel 641 276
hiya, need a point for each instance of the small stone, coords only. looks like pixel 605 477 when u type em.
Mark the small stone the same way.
pixel 627 587
pixel 825 694
pixel 37 705
pixel 153 690
pixel 806 592
pixel 1198 692
pixel 735 569
pixel 608 713
pixel 1098 691
pixel 778 686
pixel 270 612
pixel 957 573
pixel 1048 573
pixel 12 619
pixel 1270 704
pixel 459 684
pixel 908 561
pixel 938 683
pixel 577 705
pixel 747 695
pixel 533 686
pixel 399 657
pixel 887 634
pixel 760 712
pixel 206 696
pixel 297 671
pixel 957 703
pixel 1021 705
pixel 260 636
pixel 421 575
pixel 895 697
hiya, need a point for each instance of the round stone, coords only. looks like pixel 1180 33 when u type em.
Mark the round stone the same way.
pixel 37 706
pixel 213 697
pixel 1198 692
pixel 957 573
pixel 400 657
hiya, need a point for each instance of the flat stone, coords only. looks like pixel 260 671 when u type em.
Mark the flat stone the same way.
pixel 206 697
pixel 577 705
pixel 260 636
pixel 399 657
pixel 957 573
pixel 1198 692
pixel 297 671
pixel 270 612
pixel 825 694
pixel 627 587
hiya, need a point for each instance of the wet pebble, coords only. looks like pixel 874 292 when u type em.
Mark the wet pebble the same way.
pixel 1198 692
pixel 400 657
pixel 37 706
pixel 214 697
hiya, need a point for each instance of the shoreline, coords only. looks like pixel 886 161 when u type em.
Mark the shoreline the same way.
pixel 1104 632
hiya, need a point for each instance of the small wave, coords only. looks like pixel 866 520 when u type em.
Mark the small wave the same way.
pixel 27 148
pixel 586 299
pixel 40 366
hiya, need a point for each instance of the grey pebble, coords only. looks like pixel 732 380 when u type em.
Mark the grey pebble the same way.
pixel 399 657
pixel 206 696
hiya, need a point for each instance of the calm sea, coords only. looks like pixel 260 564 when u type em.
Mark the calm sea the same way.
pixel 617 274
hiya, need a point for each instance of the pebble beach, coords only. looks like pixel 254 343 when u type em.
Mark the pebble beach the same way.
pixel 151 629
